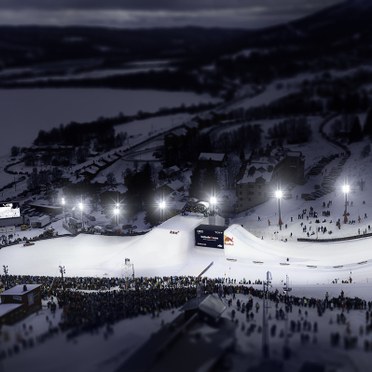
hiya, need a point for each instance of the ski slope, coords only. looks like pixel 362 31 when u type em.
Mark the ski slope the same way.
pixel 169 250
pixel 158 252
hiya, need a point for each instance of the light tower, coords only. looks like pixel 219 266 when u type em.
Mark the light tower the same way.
pixel 117 213
pixel 62 271
pixel 265 327
pixel 63 202
pixel 213 203
pixel 212 209
pixel 6 272
pixel 81 208
pixel 162 205
pixel 279 195
pixel 345 190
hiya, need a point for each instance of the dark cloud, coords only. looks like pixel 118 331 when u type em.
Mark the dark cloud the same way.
pixel 169 5
pixel 152 13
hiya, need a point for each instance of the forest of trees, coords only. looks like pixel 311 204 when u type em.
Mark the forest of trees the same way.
pixel 348 128
pixel 367 130
pixel 176 150
pixel 238 140
pixel 291 131
pixel 79 134
pixel 141 194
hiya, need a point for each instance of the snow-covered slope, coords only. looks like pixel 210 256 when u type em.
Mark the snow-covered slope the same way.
pixel 169 250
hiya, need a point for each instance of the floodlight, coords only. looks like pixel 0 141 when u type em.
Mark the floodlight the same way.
pixel 278 194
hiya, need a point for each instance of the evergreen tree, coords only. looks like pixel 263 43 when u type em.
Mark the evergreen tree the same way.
pixel 111 179
pixel 355 130
pixel 367 130
pixel 195 185
pixel 14 151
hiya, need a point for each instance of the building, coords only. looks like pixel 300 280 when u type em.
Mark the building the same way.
pixel 212 159
pixel 170 187
pixel 255 185
pixel 261 176
pixel 10 214
pixel 38 222
pixel 172 172
pixel 19 302
pixel 197 340
pixel 290 168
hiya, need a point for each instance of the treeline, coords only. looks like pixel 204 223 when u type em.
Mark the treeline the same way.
pixel 37 178
pixel 78 134
pixel 36 45
pixel 297 104
pixel 293 131
pixel 141 195
pixel 345 94
pixel 179 80
pixel 350 128
pixel 239 139
pixel 184 148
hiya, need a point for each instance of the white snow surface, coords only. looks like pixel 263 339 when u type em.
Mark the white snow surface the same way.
pixel 169 250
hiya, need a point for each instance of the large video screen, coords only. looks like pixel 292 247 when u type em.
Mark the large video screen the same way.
pixel 209 236
pixel 9 210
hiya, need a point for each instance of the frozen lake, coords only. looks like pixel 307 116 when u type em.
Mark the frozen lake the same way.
pixel 26 111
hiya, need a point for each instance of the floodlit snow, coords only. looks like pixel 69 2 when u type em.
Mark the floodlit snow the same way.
pixel 161 252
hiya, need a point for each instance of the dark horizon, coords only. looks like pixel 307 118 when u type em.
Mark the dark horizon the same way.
pixel 241 14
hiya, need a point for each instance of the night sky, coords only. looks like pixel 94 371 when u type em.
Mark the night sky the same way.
pixel 150 13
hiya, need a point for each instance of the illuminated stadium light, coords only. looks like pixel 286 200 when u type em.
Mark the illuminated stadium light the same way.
pixel 213 200
pixel 346 190
pixel 117 213
pixel 81 207
pixel 63 202
pixel 213 203
pixel 162 206
pixel 279 195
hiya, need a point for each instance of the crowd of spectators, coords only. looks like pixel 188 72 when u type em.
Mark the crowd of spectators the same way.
pixel 90 303
pixel 101 300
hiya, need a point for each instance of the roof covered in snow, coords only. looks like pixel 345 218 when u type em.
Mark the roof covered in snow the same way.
pixel 259 171
pixel 18 289
pixel 212 156
pixel 7 308
pixel 213 306
pixel 176 185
